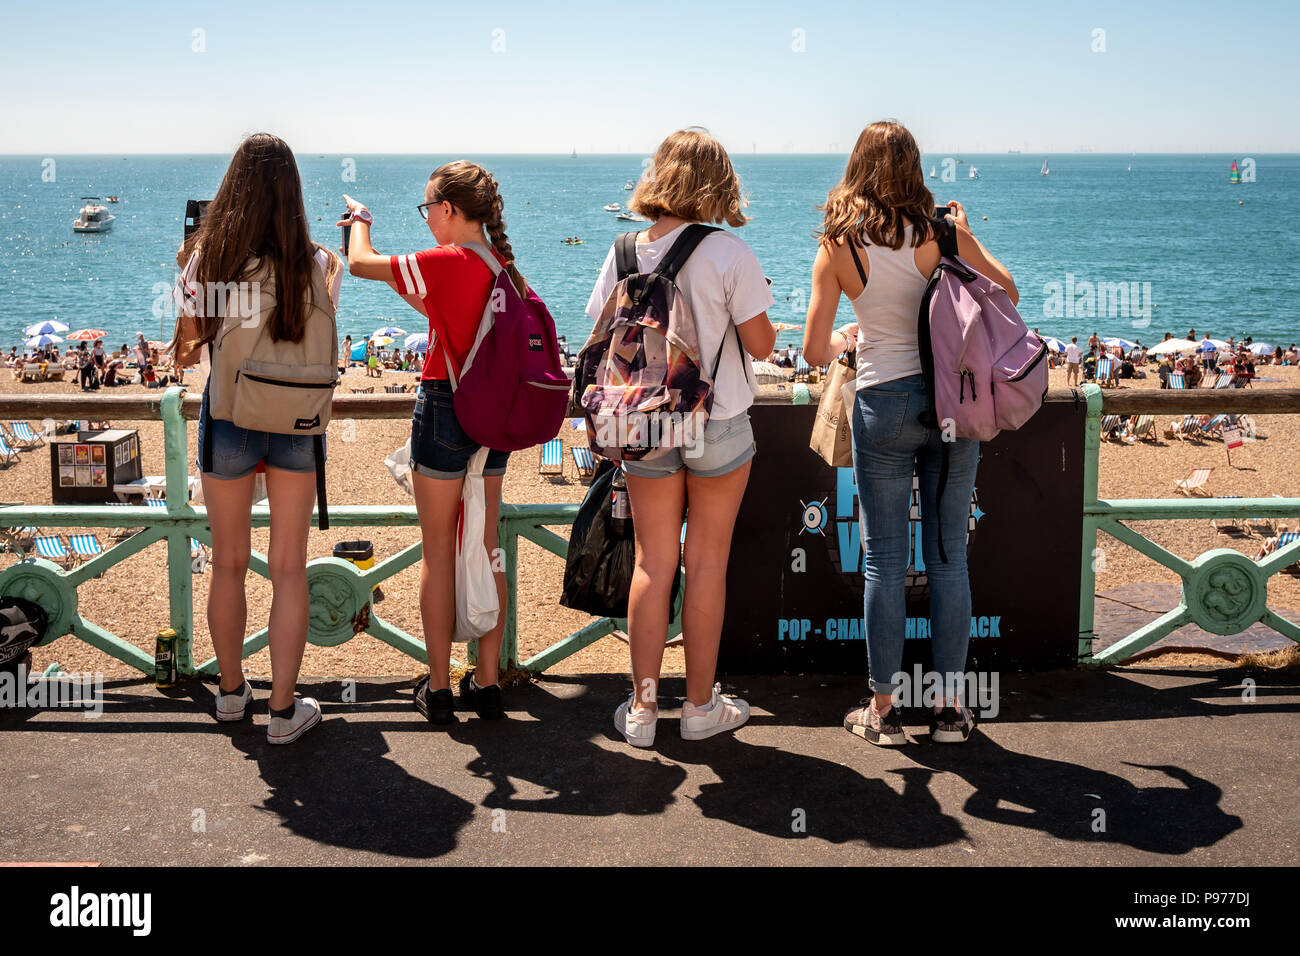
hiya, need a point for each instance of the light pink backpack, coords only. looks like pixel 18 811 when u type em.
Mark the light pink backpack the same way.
pixel 985 371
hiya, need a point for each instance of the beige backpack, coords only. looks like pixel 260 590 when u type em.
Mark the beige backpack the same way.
pixel 282 387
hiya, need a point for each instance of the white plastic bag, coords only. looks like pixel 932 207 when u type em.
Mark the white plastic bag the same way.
pixel 476 590
pixel 399 464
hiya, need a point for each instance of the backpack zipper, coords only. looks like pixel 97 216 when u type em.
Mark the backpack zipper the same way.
pixel 1042 350
pixel 275 381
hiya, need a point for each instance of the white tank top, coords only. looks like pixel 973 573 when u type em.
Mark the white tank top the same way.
pixel 886 310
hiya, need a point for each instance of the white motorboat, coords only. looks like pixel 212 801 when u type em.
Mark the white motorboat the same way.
pixel 629 185
pixel 631 217
pixel 94 217
pixel 932 172
pixel 612 207
pixel 1044 171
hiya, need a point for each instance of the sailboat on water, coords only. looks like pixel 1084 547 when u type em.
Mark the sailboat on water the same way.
pixel 1044 171
pixel 1234 176
pixel 932 176
pixel 974 172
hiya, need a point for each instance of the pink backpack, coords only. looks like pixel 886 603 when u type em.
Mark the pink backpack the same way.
pixel 984 369
pixel 512 391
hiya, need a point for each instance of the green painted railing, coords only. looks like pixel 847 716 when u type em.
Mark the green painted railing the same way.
pixel 1223 590
pixel 340 593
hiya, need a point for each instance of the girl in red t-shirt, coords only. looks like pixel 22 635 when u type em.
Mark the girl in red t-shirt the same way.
pixel 450 286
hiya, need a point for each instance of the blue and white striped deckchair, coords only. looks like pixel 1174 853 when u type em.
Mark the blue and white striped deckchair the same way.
pixel 1105 372
pixel 7 455
pixel 24 437
pixel 1213 427
pixel 552 458
pixel 156 502
pixel 584 462
pixel 1110 425
pixel 51 546
pixel 1224 380
pixel 1190 425
pixel 85 545
pixel 1176 380
pixel 801 367
pixel 1285 538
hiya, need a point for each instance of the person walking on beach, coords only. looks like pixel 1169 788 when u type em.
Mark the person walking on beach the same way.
pixel 449 285
pixel 1073 362
pixel 256 230
pixel 692 180
pixel 345 354
pixel 878 248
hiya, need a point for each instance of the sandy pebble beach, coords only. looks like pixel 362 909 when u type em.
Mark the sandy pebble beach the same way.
pixel 130 599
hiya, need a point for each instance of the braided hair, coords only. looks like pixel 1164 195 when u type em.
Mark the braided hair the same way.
pixel 474 191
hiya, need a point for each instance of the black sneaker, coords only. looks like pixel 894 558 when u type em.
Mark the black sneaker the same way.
pixel 437 707
pixel 951 725
pixel 484 701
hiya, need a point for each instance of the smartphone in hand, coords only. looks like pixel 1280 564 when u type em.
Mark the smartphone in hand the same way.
pixel 347 233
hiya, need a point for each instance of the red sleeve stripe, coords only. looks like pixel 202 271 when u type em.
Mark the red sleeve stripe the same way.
pixel 408 287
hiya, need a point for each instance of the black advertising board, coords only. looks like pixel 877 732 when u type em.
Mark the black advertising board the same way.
pixel 86 470
pixel 794 581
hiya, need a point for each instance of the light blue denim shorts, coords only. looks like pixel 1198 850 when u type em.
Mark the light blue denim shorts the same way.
pixel 728 443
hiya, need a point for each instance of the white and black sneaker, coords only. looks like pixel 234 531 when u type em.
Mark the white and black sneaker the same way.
pixel 234 705
pixel 287 729
pixel 952 724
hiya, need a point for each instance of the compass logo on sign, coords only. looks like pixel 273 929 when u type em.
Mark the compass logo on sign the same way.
pixel 814 517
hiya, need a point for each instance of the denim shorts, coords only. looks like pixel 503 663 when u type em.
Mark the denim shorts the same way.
pixel 728 444
pixel 439 446
pixel 236 451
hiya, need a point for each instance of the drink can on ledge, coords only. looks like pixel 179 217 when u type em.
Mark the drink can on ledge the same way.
pixel 164 659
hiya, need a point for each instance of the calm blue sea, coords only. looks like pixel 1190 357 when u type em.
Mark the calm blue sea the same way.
pixel 1217 257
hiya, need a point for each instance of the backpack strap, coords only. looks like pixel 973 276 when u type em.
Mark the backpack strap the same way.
pixel 681 250
pixel 625 255
pixel 322 509
pixel 947 237
pixel 862 273
pixel 205 452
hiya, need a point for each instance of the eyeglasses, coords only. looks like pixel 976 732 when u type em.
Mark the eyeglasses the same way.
pixel 424 207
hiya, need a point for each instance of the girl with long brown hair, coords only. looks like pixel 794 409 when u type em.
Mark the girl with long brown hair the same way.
pixel 879 245
pixel 254 234
pixel 449 285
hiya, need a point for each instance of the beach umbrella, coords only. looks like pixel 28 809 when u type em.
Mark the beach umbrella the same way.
pixel 1125 344
pixel 382 339
pixel 417 341
pixel 786 327
pixel 1173 347
pixel 45 328
pixel 1262 348
pixel 1056 345
pixel 88 334
pixel 387 330
pixel 1219 344
pixel 42 340
pixel 768 374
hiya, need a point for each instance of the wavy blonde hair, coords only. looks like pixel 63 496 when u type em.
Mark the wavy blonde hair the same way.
pixel 691 178
pixel 882 189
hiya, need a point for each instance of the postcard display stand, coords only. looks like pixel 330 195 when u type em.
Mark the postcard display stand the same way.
pixel 86 470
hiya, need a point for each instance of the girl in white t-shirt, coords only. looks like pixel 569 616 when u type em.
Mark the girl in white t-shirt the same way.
pixel 692 180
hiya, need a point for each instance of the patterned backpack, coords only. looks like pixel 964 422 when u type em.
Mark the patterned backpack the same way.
pixel 639 379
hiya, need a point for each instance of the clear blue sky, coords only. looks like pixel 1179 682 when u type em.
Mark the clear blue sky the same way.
pixel 606 77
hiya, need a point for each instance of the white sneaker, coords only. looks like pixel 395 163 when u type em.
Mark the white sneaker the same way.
pixel 285 730
pixel 636 726
pixel 233 706
pixel 726 713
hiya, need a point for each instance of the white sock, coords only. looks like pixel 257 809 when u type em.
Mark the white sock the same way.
pixel 704 707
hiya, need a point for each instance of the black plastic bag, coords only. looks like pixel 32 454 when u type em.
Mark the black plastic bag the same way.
pixel 22 624
pixel 602 553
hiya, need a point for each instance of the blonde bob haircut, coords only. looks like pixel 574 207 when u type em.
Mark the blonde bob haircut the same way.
pixel 691 178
